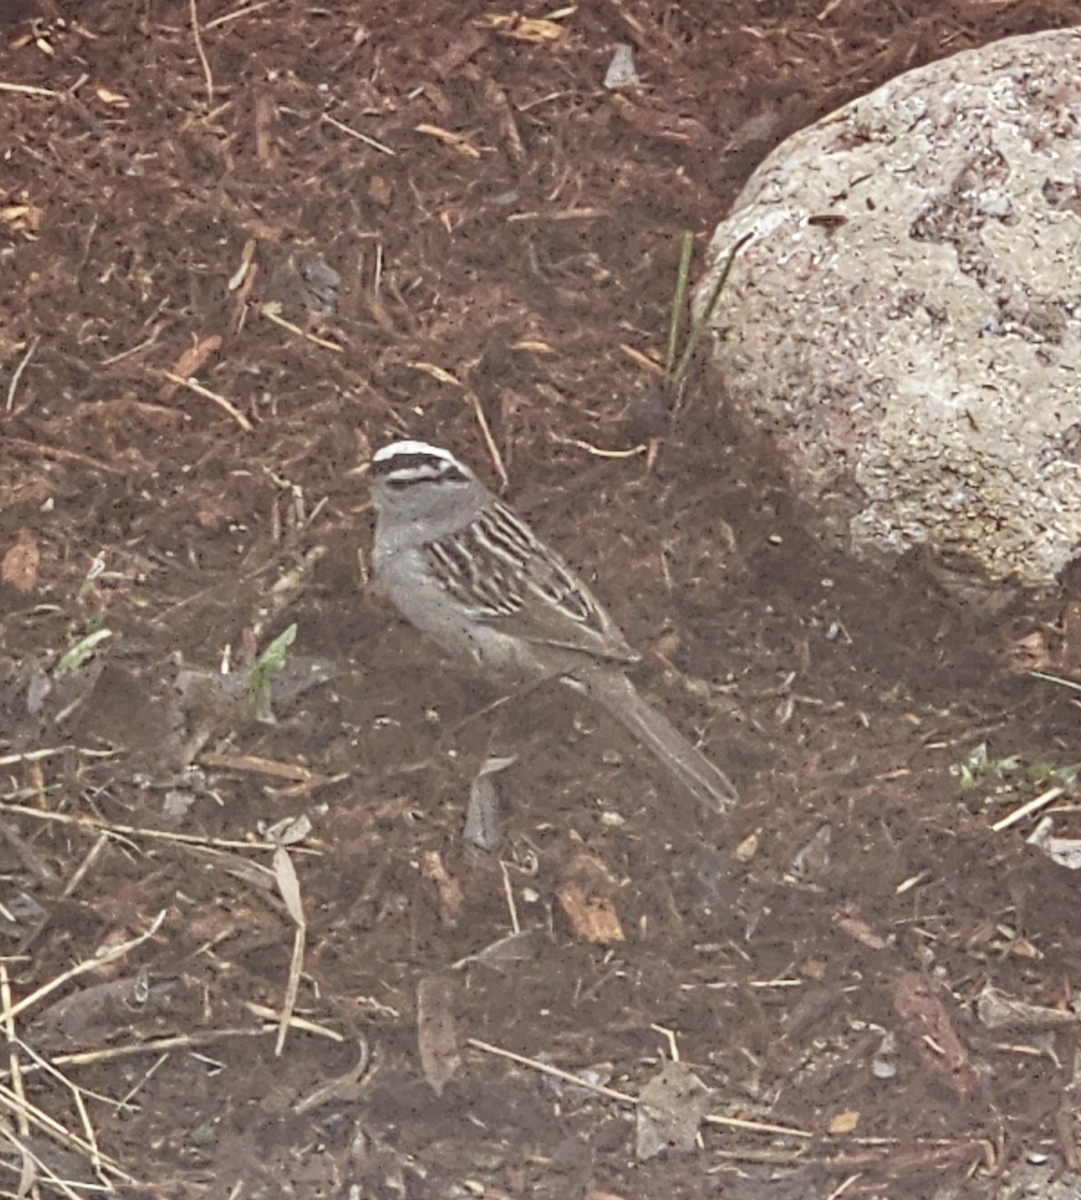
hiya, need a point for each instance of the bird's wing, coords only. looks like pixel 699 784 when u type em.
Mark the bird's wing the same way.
pixel 501 573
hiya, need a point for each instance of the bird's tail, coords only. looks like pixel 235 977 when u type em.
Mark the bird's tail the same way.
pixel 705 781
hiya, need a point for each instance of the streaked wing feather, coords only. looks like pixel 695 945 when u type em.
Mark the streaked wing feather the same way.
pixel 500 573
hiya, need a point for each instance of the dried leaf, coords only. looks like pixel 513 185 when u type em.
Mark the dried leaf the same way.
pixel 19 567
pixel 289 830
pixel 289 885
pixel 482 815
pixel 292 985
pixel 437 1033
pixel 813 860
pixel 670 1110
pixel 1064 851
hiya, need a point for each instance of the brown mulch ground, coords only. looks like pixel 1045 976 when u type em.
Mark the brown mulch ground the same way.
pixel 352 222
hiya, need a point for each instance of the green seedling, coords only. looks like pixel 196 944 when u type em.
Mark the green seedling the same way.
pixel 978 769
pixel 82 651
pixel 260 679
pixel 1049 773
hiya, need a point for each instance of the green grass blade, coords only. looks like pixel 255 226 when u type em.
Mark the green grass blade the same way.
pixel 707 313
pixel 679 299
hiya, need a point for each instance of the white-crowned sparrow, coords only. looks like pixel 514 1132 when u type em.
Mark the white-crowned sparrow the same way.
pixel 461 567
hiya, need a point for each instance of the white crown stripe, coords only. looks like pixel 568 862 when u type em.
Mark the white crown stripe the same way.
pixel 419 471
pixel 414 448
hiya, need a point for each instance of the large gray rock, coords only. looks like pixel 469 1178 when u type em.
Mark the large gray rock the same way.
pixel 918 361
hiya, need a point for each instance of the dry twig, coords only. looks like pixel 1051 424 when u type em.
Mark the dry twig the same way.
pixel 361 137
pixel 1028 808
pixel 16 375
pixel 28 89
pixel 132 831
pixel 60 454
pixel 207 394
pixel 237 13
pixel 202 55
pixel 474 401
pixel 626 1097
pixel 91 964
pixel 272 312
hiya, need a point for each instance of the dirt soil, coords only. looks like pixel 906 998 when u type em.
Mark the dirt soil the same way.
pixel 244 244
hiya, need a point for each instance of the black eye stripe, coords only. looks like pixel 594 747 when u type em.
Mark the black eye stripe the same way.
pixel 407 462
pixel 414 468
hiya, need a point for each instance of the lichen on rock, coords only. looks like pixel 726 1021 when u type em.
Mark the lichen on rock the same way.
pixel 905 319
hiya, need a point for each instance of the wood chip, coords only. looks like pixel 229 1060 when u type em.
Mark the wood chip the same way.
pixel 844 1122
pixel 588 899
pixel 525 29
pixel 660 124
pixel 19 566
pixel 188 363
pixel 928 1021
pixel 455 140
pixel 451 897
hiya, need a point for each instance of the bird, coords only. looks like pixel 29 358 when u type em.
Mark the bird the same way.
pixel 463 569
